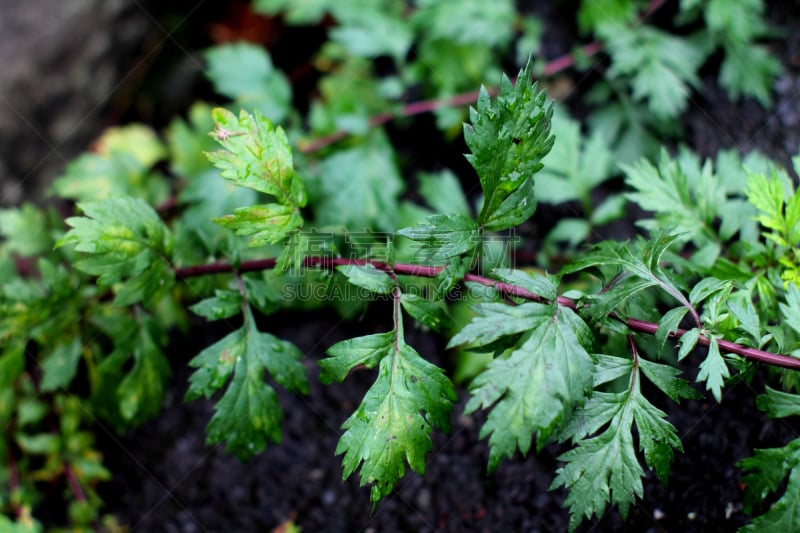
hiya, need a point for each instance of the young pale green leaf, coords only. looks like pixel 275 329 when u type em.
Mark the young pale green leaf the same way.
pixel 256 155
pixel 268 223
pixel 537 386
pixel 768 469
pixel 244 73
pixel 224 304
pixel 130 247
pixel 393 423
pixel 368 277
pixel 714 370
pixel 490 24
pixel 345 355
pixel 443 237
pixel 248 414
pixel 431 313
pixel 542 285
pixel 508 137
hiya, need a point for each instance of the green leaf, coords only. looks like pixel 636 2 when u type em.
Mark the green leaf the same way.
pixel 533 282
pixel 443 237
pixel 790 311
pixel 119 166
pixel 257 155
pixel 688 342
pixel 490 24
pixel 393 423
pixel 432 314
pixel 368 277
pixel 268 224
pixel 130 247
pixel 713 370
pixel 224 304
pixel 61 365
pixel 575 165
pixel 25 230
pixel 749 70
pixel 604 468
pixel 768 470
pixel 741 305
pixel 535 388
pixel 141 392
pixel 495 320
pixel 779 404
pixel 442 191
pixel 373 29
pixel 508 137
pixel 666 378
pixel 244 73
pixel 359 187
pixel 248 414
pixel 515 209
pixel 347 354
pixel 662 68
pixel 669 323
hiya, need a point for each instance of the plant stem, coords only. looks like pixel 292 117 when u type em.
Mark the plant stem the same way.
pixel 430 271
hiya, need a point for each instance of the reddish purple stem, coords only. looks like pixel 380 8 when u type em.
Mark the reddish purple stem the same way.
pixel 429 271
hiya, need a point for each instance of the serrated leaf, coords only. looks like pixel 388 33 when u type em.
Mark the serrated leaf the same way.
pixel 745 312
pixel 368 277
pixel 713 370
pixel 130 244
pixel 347 354
pixel 542 285
pixel 268 224
pixel 779 404
pixel 515 209
pixel 257 155
pixel 443 237
pixel 432 314
pixel 767 471
pixel 535 388
pixel 706 287
pixel 604 468
pixel 495 320
pixel 508 137
pixel 244 72
pixel 393 423
pixel 669 323
pixel 248 414
pixel 666 378
pixel 688 342
pixel 224 304
pixel 790 311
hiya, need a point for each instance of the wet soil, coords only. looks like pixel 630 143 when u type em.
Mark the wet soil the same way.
pixel 167 479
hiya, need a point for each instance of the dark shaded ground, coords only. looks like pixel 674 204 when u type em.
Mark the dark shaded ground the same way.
pixel 167 480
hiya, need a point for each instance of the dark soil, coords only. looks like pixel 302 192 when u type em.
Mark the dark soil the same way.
pixel 166 478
